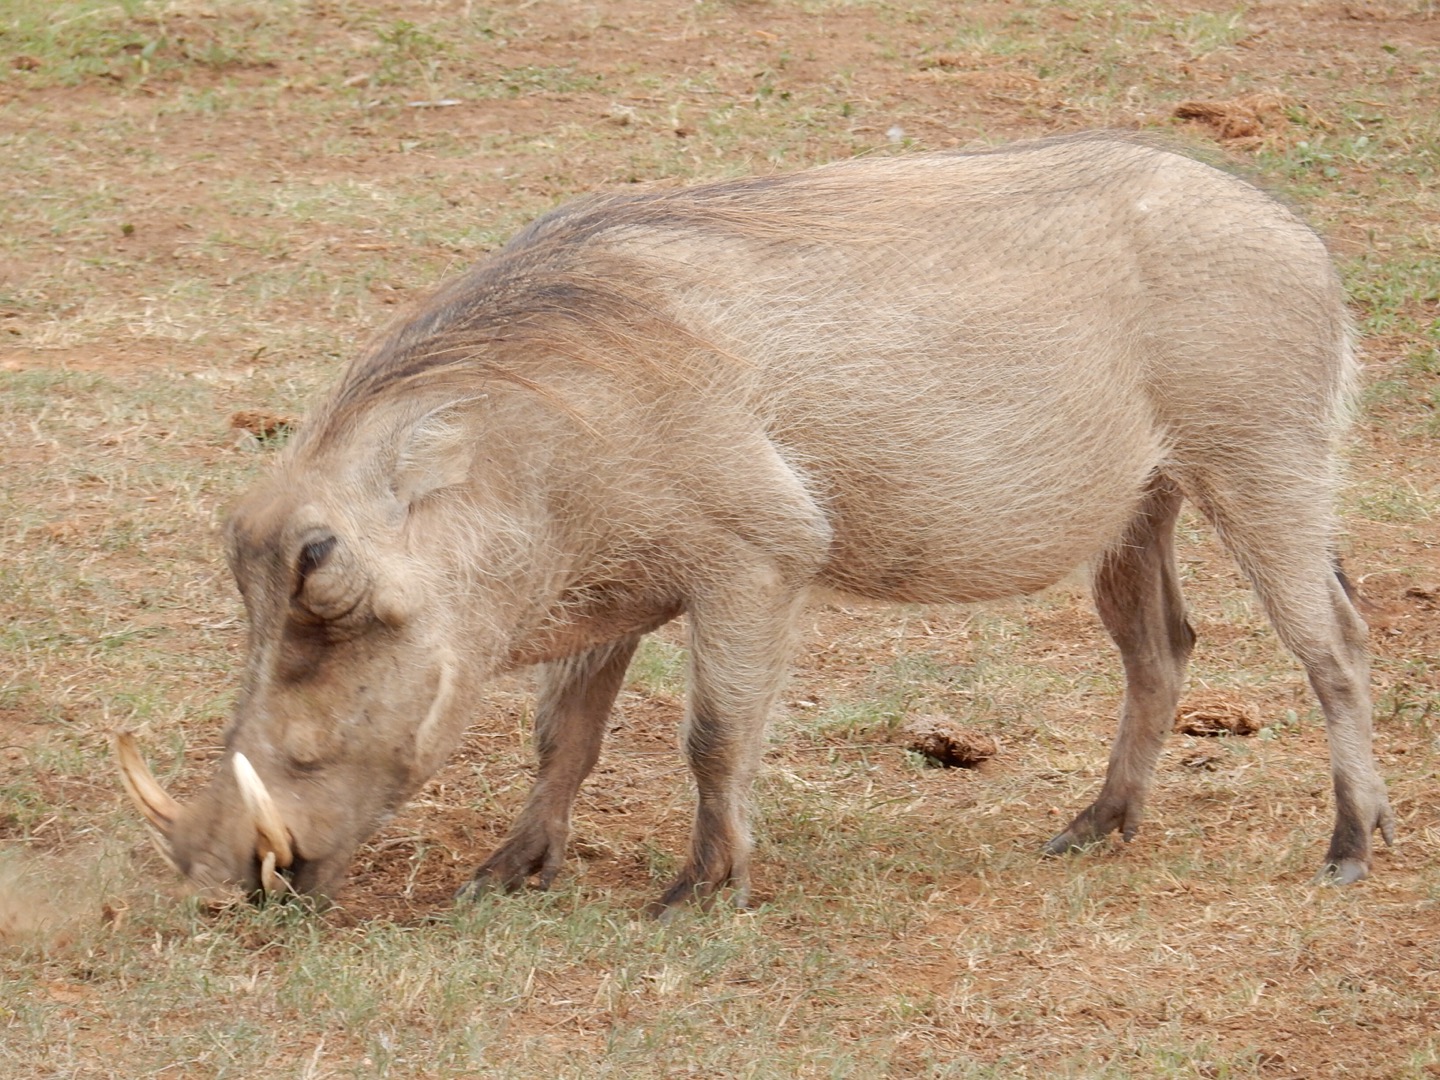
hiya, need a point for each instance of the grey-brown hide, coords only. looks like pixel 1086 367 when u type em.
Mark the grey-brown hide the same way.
pixel 935 378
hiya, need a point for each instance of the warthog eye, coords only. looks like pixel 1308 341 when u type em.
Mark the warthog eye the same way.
pixel 328 590
pixel 312 557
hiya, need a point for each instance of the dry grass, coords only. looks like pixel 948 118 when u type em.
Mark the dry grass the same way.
pixel 208 205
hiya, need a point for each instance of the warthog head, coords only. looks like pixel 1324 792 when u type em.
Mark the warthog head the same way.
pixel 347 701
pixel 410 544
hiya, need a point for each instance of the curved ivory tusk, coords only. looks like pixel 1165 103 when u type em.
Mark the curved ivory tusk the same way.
pixel 159 809
pixel 270 881
pixel 274 836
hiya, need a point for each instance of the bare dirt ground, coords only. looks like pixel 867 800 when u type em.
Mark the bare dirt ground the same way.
pixel 212 205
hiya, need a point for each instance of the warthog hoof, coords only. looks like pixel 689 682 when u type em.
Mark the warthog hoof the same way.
pixel 1095 823
pixel 1344 872
pixel 532 852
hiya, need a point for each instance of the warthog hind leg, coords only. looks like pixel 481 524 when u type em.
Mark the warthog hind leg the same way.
pixel 1281 542
pixel 1137 593
pixel 571 710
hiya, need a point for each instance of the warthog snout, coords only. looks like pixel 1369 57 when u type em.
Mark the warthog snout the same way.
pixel 271 849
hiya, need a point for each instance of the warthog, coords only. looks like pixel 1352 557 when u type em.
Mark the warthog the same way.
pixel 941 377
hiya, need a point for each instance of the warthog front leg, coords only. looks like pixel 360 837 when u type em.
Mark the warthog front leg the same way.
pixel 741 643
pixel 1137 593
pixel 571 710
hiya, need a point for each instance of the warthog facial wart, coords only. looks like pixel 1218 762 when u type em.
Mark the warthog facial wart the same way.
pixel 946 377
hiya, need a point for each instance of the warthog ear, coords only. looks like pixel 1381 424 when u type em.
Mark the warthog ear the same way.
pixel 436 452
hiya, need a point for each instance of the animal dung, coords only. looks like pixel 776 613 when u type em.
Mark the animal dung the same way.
pixel 251 426
pixel 948 744
pixel 1216 714
pixel 1247 117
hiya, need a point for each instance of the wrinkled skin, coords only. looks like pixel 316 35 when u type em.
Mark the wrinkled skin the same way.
pixel 946 378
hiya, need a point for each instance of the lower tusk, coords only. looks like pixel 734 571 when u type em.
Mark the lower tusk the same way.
pixel 270 881
pixel 274 836
pixel 158 808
